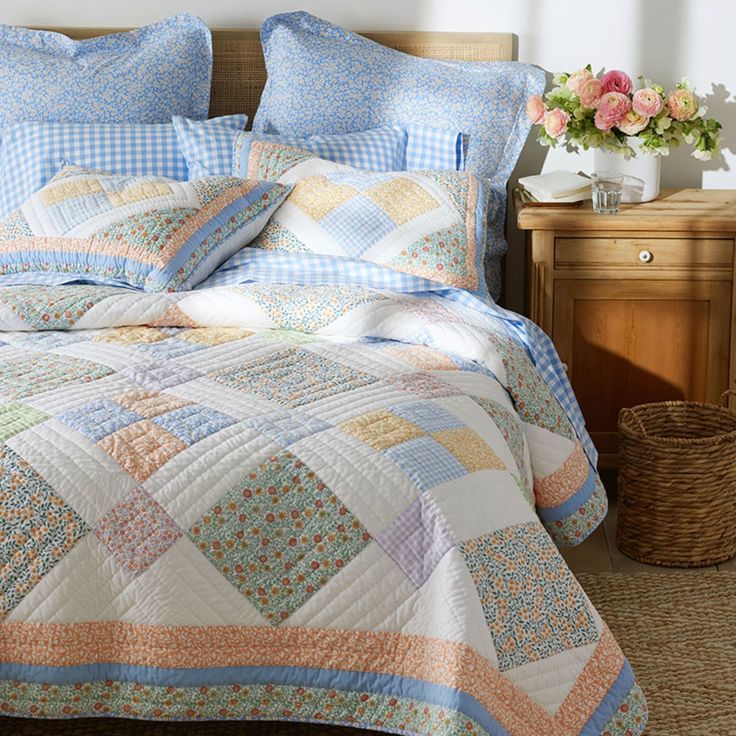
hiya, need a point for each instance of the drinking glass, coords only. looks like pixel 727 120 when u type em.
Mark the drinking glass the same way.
pixel 607 187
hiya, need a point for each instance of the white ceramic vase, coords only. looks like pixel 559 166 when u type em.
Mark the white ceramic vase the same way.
pixel 641 172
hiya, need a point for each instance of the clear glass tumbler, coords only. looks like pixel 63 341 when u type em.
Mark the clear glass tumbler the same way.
pixel 607 187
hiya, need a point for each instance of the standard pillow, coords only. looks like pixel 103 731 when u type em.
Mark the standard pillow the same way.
pixel 429 224
pixel 151 233
pixel 389 148
pixel 322 78
pixel 32 153
pixel 142 76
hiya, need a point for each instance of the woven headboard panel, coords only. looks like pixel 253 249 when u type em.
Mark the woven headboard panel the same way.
pixel 239 73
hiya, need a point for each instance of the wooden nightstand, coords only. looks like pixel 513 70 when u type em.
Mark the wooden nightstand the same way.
pixel 641 305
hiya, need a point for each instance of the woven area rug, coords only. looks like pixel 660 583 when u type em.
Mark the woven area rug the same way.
pixel 678 630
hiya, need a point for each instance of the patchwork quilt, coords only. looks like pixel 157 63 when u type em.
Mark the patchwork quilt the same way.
pixel 311 503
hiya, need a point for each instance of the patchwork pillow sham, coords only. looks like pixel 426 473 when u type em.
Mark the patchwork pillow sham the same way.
pixel 429 224
pixel 141 76
pixel 387 148
pixel 323 78
pixel 150 233
pixel 32 153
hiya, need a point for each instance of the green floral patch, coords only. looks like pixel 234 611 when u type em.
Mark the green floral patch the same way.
pixel 355 708
pixel 630 717
pixel 279 536
pixel 15 418
pixel 533 399
pixel 532 603
pixel 574 528
pixel 37 528
pixel 149 231
pixel 292 307
pixel 510 427
pixel 54 307
pixel 28 376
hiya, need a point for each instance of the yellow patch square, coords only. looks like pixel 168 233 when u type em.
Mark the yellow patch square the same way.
pixel 402 199
pixel 214 335
pixel 132 335
pixel 139 192
pixel 317 196
pixel 150 404
pixel 472 452
pixel 382 429
pixel 52 195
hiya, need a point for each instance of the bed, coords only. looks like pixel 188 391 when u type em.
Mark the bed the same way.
pixel 296 494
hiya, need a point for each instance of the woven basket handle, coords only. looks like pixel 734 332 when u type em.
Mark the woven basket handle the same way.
pixel 635 417
pixel 725 395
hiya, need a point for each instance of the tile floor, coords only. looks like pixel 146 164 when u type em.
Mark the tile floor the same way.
pixel 599 552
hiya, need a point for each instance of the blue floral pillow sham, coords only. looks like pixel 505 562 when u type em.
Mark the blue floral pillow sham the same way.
pixel 32 153
pixel 148 232
pixel 323 78
pixel 387 148
pixel 141 76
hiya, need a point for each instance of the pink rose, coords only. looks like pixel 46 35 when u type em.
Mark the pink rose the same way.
pixel 535 109
pixel 612 106
pixel 590 92
pixel 647 102
pixel 555 122
pixel 577 79
pixel 616 81
pixel 632 123
pixel 682 104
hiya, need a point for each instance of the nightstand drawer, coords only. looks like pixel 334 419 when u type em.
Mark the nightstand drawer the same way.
pixel 649 253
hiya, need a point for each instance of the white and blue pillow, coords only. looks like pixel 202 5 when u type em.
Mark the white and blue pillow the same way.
pixel 146 232
pixel 387 148
pixel 325 79
pixel 142 76
pixel 32 153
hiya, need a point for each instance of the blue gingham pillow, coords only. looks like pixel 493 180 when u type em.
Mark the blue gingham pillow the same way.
pixel 325 79
pixel 32 153
pixel 389 148
pixel 141 76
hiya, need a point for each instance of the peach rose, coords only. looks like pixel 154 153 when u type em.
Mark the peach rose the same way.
pixel 647 102
pixel 632 123
pixel 555 122
pixel 535 109
pixel 577 79
pixel 682 104
pixel 616 81
pixel 611 108
pixel 590 92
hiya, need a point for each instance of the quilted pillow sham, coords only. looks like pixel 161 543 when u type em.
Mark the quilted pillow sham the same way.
pixel 323 78
pixel 150 233
pixel 388 148
pixel 141 76
pixel 32 153
pixel 429 224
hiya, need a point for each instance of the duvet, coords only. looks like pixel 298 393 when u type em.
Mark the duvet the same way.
pixel 272 501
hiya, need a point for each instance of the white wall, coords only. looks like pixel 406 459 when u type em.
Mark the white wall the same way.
pixel 663 39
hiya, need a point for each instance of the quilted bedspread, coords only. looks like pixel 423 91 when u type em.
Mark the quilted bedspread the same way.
pixel 312 503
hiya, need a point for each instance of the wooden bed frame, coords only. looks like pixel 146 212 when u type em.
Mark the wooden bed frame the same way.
pixel 239 72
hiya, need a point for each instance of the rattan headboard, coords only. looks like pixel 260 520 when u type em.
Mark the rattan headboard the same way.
pixel 239 73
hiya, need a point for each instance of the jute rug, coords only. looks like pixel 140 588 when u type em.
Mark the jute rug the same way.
pixel 678 630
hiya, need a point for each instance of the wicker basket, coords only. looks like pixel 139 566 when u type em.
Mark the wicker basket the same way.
pixel 677 483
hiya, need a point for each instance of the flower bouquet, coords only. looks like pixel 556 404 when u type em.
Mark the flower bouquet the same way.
pixel 583 110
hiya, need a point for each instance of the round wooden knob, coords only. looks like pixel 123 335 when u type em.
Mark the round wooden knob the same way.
pixel 646 256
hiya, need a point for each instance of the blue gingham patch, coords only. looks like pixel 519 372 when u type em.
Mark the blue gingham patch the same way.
pixel 209 152
pixel 31 154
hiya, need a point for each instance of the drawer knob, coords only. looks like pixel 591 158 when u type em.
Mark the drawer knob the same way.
pixel 646 256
